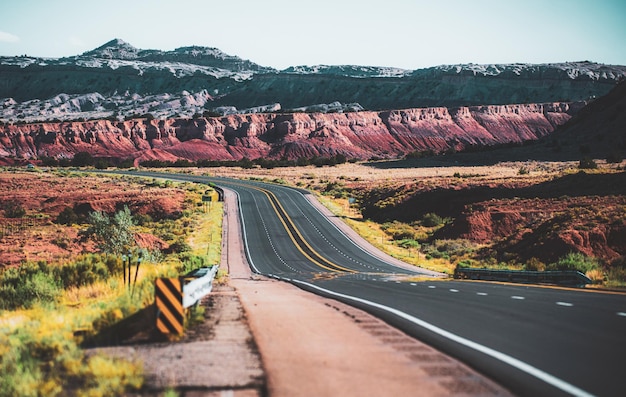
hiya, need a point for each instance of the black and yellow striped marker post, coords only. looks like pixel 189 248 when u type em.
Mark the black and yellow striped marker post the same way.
pixel 169 306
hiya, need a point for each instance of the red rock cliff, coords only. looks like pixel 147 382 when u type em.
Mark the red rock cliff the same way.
pixel 361 135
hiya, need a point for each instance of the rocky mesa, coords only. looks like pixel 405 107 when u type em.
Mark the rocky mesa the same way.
pixel 358 135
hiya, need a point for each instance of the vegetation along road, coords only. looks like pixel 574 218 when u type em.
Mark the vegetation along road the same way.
pixel 533 340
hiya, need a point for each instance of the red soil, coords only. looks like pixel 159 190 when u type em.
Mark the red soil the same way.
pixel 37 236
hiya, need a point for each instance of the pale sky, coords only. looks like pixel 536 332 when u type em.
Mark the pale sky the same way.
pixel 408 34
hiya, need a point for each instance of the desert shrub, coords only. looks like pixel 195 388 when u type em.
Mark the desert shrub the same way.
pixel 179 246
pixel 61 241
pixel 26 285
pixel 49 161
pixel 67 217
pixel 408 243
pixel 31 283
pixel 534 264
pixel 336 190
pixel 431 220
pixel 36 362
pixel 465 263
pixel 84 271
pixel 82 159
pixel 614 157
pixel 448 249
pixel 191 262
pixel 596 276
pixel 587 163
pixel 575 261
pixel 400 231
pixel 13 209
pixel 102 164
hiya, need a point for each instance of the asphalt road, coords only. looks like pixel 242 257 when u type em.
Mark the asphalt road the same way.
pixel 533 340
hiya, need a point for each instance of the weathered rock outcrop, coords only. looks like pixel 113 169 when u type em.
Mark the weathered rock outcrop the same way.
pixel 582 212
pixel 359 135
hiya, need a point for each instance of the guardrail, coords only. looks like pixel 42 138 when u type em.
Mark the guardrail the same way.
pixel 198 284
pixel 558 277
pixel 173 295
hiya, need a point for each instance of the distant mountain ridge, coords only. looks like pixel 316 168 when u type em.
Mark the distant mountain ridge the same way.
pixel 119 81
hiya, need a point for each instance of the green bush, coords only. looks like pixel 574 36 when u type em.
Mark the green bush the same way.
pixel 67 217
pixel 31 283
pixel 26 285
pixel 449 248
pixel 408 243
pixel 82 272
pixel 431 220
pixel 575 261
pixel 400 231
pixel 13 209
pixel 49 363
pixel 587 163
pixel 191 262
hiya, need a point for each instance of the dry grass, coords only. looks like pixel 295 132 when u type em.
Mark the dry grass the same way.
pixel 392 172
pixel 373 233
pixel 206 238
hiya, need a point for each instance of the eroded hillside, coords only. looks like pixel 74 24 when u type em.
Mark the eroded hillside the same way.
pixel 358 135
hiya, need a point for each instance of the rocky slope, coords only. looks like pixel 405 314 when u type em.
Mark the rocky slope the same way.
pixel 119 81
pixel 360 135
pixel 516 218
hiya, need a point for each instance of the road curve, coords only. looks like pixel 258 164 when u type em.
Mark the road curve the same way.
pixel 533 340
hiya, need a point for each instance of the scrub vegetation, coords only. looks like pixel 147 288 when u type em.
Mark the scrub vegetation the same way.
pixel 49 309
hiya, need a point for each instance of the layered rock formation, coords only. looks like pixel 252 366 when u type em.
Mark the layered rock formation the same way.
pixel 359 135
pixel 122 82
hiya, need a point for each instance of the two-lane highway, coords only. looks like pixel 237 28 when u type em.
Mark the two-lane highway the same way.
pixel 533 340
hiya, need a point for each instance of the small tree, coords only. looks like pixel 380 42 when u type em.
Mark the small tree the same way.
pixel 114 235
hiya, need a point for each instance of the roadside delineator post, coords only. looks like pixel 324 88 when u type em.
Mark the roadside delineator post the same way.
pixel 173 295
pixel 169 306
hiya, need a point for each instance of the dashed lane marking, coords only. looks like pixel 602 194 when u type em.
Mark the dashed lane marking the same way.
pixel 454 290
pixel 521 298
pixel 621 314
pixel 566 304
pixel 432 287
pixel 482 293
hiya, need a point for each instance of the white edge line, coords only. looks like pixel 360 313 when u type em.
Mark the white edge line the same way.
pixel 243 231
pixel 514 362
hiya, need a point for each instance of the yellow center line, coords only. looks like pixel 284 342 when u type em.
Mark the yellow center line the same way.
pixel 284 218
